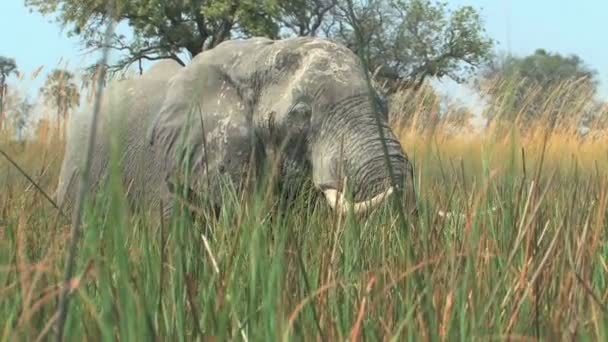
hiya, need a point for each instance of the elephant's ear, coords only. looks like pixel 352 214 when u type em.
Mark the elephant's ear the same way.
pixel 203 126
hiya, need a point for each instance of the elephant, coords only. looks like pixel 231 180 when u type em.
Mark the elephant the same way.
pixel 301 103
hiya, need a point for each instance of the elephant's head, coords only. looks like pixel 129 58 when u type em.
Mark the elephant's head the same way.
pixel 306 100
pixel 354 150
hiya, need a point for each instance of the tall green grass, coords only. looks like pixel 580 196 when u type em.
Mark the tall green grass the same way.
pixel 525 260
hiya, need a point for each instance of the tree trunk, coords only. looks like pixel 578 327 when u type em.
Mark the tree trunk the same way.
pixel 64 123
pixel 2 92
pixel 58 126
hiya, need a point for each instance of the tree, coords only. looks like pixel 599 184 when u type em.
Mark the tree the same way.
pixel 406 41
pixel 162 28
pixel 542 84
pixel 60 91
pixel 17 109
pixel 8 66
pixel 306 17
pixel 21 117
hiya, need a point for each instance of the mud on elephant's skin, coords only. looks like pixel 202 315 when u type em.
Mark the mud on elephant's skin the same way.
pixel 303 101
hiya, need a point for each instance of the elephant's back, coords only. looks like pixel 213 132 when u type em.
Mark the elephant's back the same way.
pixel 275 63
pixel 141 163
pixel 127 109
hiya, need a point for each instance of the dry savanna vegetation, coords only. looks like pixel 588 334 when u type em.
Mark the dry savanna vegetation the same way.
pixel 522 257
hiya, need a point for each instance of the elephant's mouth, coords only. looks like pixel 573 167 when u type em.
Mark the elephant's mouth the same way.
pixel 338 202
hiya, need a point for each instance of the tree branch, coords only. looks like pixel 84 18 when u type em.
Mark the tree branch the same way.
pixel 225 26
pixel 320 13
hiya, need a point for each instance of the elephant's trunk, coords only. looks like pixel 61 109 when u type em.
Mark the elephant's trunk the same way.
pixel 367 177
pixel 359 154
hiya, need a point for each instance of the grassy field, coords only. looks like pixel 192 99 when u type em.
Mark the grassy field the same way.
pixel 525 261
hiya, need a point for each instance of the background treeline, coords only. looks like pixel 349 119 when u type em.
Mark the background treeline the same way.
pixel 406 44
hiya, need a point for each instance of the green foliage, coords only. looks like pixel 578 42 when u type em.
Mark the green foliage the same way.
pixel 306 17
pixel 543 67
pixel 536 82
pixel 406 40
pixel 162 29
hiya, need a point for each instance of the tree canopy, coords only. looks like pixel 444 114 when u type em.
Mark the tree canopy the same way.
pixel 405 41
pixel 542 67
pixel 162 29
pixel 537 85
pixel 60 91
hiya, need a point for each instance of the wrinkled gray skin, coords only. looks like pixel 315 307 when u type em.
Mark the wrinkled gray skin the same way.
pixel 303 100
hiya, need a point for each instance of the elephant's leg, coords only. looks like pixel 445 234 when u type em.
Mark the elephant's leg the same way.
pixel 204 135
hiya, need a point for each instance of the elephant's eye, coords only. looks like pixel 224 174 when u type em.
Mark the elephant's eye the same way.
pixel 300 111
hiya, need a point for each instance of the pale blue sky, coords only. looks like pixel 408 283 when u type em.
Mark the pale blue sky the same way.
pixel 558 26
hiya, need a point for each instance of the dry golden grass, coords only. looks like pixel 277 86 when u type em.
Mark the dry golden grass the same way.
pixel 535 268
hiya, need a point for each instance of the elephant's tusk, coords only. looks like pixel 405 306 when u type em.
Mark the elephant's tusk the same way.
pixel 338 202
pixel 450 214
